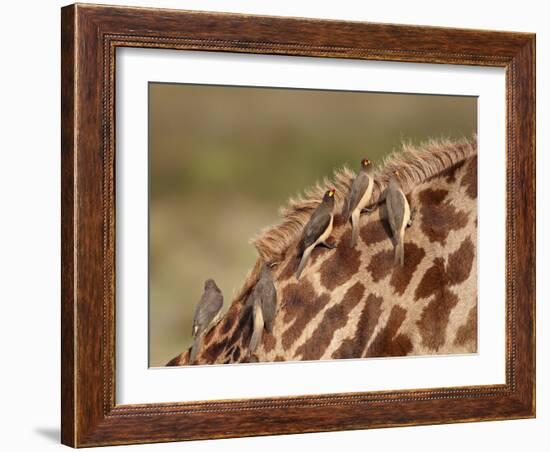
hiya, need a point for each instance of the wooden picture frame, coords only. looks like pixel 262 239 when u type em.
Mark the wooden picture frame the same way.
pixel 90 36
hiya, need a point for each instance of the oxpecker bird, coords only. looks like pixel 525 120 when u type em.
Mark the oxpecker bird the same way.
pixel 264 307
pixel 359 196
pixel 399 216
pixel 317 230
pixel 207 313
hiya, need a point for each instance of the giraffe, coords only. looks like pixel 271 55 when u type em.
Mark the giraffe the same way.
pixel 353 302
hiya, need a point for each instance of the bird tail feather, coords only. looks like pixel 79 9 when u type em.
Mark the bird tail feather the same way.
pixel 346 213
pixel 303 260
pixel 197 344
pixel 399 252
pixel 258 328
pixel 354 228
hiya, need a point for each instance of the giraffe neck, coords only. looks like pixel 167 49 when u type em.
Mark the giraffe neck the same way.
pixel 354 302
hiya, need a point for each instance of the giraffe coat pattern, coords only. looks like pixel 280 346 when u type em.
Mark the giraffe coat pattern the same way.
pixel 355 303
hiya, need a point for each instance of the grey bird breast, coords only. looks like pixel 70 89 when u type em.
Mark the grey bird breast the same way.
pixel 358 188
pixel 317 224
pixel 210 304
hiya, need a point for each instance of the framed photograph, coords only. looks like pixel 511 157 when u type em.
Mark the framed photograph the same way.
pixel 281 225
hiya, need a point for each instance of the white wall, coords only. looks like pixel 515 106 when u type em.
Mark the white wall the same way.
pixel 29 226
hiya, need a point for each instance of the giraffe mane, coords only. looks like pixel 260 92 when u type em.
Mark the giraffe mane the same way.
pixel 415 164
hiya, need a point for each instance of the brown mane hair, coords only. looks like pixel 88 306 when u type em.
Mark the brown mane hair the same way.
pixel 415 164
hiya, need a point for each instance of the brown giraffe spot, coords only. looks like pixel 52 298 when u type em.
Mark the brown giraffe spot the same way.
pixel 208 337
pixel 439 218
pixel 227 355
pixel 450 174
pixel 375 232
pixel 334 318
pixel 174 361
pixel 436 281
pixel 435 317
pixel 243 329
pixel 236 354
pixel 341 265
pixel 460 262
pixel 279 358
pixel 402 276
pixel 433 197
pixel 300 304
pixel 458 269
pixel 268 341
pixel 354 347
pixel 468 332
pixel 382 264
pixel 213 352
pixel 387 342
pixel 432 281
pixel 338 220
pixel 230 319
pixel 469 180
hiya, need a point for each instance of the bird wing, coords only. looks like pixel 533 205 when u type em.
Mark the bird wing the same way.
pixel 395 203
pixel 210 304
pixel 357 191
pixel 317 224
pixel 383 195
pixel 269 305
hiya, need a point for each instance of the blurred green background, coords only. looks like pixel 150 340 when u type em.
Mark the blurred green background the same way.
pixel 222 160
